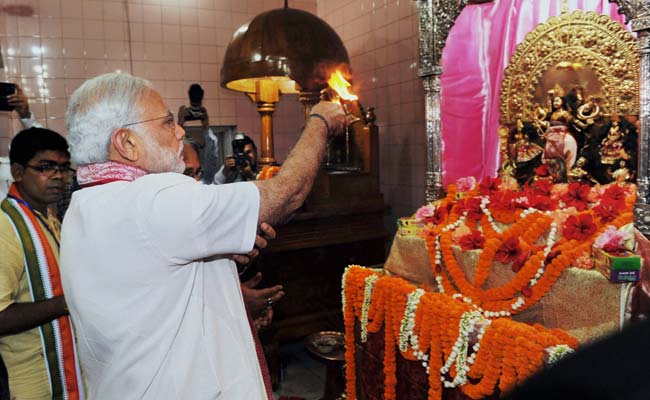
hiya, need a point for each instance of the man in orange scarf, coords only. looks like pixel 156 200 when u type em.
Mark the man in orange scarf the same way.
pixel 36 337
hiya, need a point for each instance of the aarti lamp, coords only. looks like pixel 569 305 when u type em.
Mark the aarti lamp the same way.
pixel 282 51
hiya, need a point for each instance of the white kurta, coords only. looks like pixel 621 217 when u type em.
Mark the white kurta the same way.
pixel 157 308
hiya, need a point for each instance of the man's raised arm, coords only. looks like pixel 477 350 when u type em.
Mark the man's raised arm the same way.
pixel 285 193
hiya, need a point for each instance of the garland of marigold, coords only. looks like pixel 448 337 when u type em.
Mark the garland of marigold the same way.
pixel 529 230
pixel 509 351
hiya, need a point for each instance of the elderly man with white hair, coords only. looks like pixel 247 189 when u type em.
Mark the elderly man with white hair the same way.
pixel 145 262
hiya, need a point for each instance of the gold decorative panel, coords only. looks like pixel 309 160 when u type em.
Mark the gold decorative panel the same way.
pixel 585 49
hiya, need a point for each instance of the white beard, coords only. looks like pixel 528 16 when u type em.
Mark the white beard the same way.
pixel 162 159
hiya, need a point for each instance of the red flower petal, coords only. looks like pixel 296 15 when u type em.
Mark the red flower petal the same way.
pixel 509 251
pixel 471 241
pixel 489 185
pixel 520 261
pixel 542 170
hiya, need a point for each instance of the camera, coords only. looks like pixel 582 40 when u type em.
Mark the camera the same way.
pixel 195 114
pixel 238 145
pixel 5 90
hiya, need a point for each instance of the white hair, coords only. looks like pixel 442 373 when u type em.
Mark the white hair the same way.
pixel 96 109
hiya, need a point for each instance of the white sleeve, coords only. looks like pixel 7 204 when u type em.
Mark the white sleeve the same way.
pixel 188 221
pixel 219 177
pixel 30 122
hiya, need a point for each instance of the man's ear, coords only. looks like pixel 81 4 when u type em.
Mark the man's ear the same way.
pixel 125 143
pixel 17 172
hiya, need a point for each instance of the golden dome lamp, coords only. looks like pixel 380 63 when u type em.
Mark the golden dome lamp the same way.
pixel 282 51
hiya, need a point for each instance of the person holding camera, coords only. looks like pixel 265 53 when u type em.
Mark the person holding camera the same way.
pixel 196 111
pixel 15 101
pixel 241 166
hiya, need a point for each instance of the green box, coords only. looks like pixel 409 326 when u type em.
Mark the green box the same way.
pixel 628 261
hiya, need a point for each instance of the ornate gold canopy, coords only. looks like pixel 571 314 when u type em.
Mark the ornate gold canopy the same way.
pixel 591 42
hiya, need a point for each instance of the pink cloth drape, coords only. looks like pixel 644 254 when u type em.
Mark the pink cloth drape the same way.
pixel 477 51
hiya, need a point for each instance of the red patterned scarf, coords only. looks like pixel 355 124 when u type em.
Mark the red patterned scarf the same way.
pixel 106 172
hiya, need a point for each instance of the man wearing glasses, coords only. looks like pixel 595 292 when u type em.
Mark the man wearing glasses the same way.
pixel 150 282
pixel 36 337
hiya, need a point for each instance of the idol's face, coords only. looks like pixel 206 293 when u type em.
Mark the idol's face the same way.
pixel 557 102
pixel 519 136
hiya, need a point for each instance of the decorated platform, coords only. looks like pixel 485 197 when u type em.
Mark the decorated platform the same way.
pixel 486 285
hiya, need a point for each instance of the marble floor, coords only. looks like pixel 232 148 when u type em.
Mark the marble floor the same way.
pixel 303 376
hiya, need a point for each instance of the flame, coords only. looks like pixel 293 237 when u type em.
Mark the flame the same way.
pixel 340 85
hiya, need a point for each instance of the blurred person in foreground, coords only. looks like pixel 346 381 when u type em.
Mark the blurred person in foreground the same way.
pixel 151 284
pixel 612 368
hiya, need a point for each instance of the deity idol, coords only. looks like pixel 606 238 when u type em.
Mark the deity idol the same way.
pixel 612 147
pixel 560 143
pixel 523 152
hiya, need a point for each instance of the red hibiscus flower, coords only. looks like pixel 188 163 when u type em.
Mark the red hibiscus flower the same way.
pixel 489 185
pixel 541 202
pixel 472 241
pixel 614 249
pixel 504 200
pixel 607 210
pixel 579 227
pixel 542 170
pixel 473 208
pixel 542 187
pixel 577 195
pixel 509 251
pixel 439 216
pixel 616 194
pixel 459 206
pixel 519 262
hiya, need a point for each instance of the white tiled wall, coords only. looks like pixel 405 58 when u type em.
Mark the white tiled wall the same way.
pixel 382 41
pixel 173 43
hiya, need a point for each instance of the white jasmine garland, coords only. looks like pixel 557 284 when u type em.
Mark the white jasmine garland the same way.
pixel 367 296
pixel 556 353
pixel 345 274
pixel 438 262
pixel 550 241
pixel 484 203
pixel 458 354
pixel 477 345
pixel 408 321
